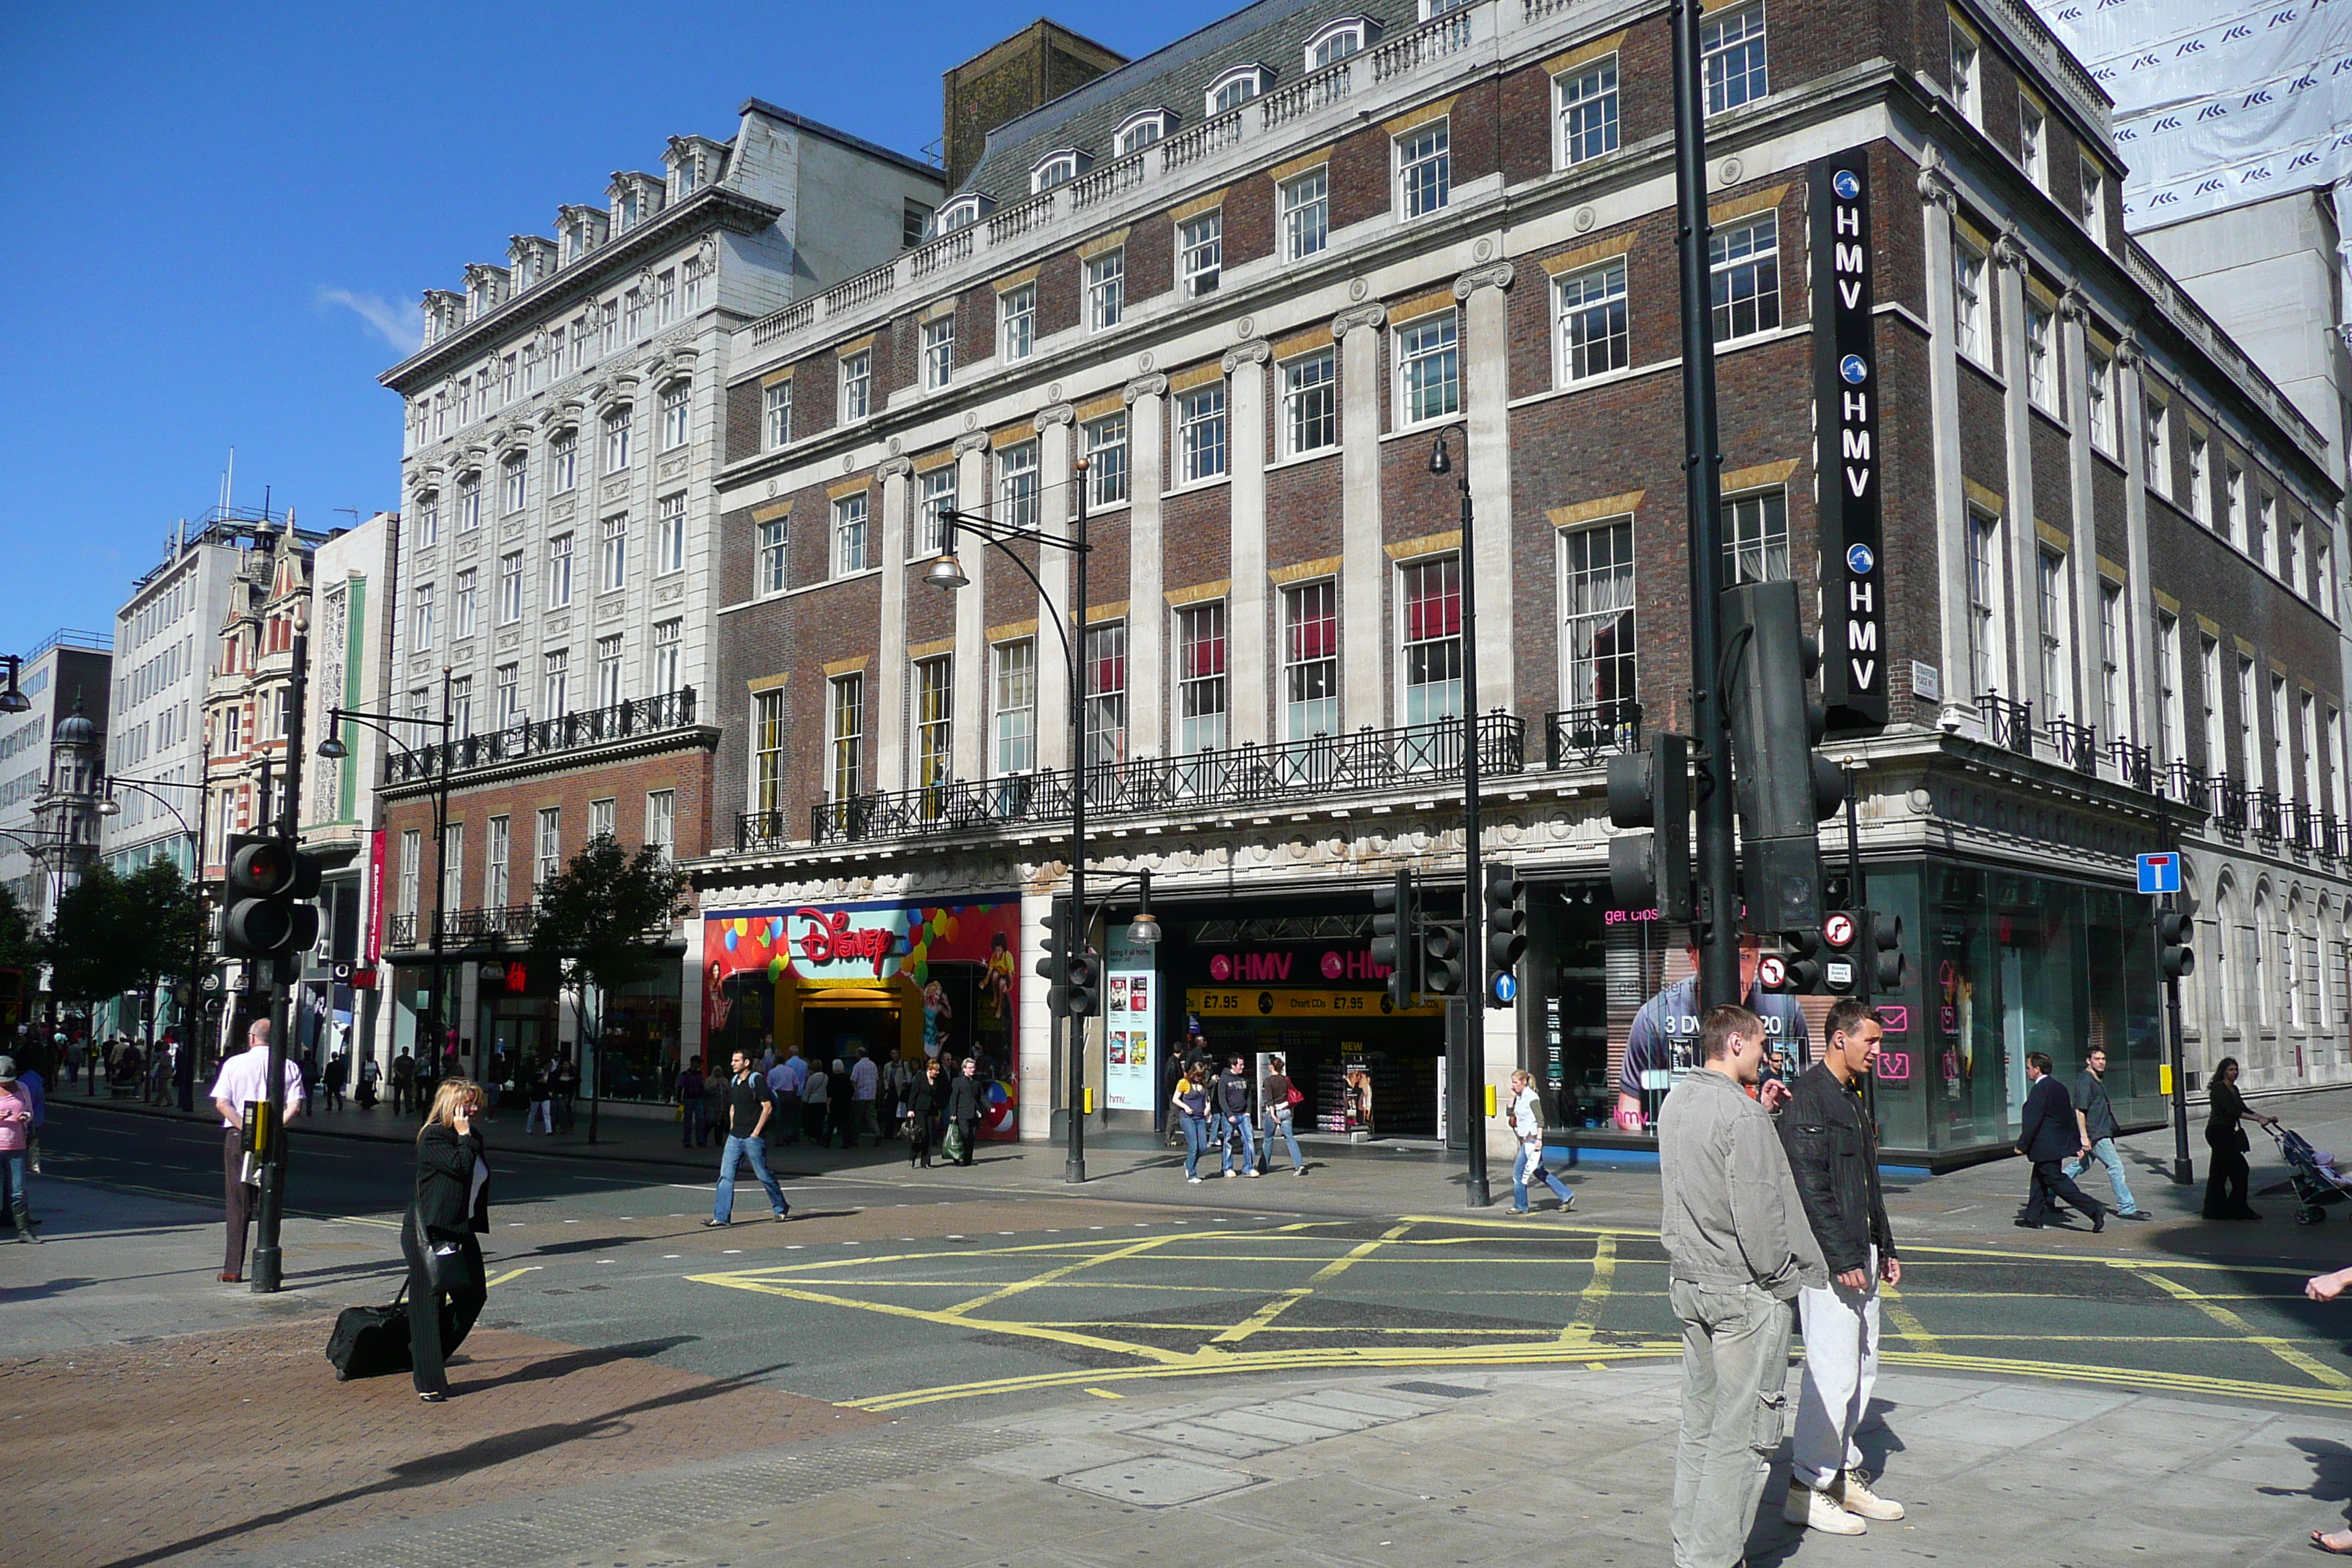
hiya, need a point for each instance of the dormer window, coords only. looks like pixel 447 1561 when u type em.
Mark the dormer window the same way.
pixel 583 229
pixel 1059 167
pixel 1237 87
pixel 1337 40
pixel 962 212
pixel 1142 129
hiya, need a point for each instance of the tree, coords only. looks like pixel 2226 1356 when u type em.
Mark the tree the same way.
pixel 609 913
pixel 20 939
pixel 93 943
pixel 166 930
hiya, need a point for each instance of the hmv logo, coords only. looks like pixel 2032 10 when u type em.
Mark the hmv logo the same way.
pixel 1244 967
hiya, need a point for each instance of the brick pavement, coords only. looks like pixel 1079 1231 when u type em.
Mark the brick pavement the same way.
pixel 144 1453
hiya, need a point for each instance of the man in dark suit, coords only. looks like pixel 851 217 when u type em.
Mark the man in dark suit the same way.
pixel 2049 1137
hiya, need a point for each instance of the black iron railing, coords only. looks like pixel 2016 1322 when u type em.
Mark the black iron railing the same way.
pixel 1582 736
pixel 2008 723
pixel 1235 778
pixel 2078 744
pixel 462 926
pixel 623 721
pixel 2185 784
pixel 2232 804
pixel 2268 816
pixel 2134 764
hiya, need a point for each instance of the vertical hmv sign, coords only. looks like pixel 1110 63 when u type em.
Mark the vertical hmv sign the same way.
pixel 1846 456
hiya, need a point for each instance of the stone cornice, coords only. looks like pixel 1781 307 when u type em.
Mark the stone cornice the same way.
pixel 719 205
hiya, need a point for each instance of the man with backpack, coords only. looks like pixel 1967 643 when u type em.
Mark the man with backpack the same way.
pixel 1231 1096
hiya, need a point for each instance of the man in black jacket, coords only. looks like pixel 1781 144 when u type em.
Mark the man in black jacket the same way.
pixel 1833 1153
pixel 967 1104
pixel 2049 1137
pixel 1230 1096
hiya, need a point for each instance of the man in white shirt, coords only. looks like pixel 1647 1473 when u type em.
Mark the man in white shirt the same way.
pixel 245 1080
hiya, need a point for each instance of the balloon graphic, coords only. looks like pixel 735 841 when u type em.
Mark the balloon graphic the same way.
pixel 730 938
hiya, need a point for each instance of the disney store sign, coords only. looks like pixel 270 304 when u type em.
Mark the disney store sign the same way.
pixel 829 938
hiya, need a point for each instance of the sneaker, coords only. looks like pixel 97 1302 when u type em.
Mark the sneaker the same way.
pixel 714 1225
pixel 1520 1213
pixel 1809 1509
pixel 784 1213
pixel 2134 1214
pixel 1194 1180
pixel 1253 1175
pixel 1856 1497
pixel 1229 1175
pixel 1567 1203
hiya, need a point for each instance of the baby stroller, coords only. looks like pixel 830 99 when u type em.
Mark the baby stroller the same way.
pixel 2317 1181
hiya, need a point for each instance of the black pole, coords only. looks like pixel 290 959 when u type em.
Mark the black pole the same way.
pixel 1718 878
pixel 191 1028
pixel 1858 900
pixel 269 1257
pixel 1082 927
pixel 1467 1094
pixel 2184 1169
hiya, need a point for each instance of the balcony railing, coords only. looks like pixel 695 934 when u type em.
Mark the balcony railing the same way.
pixel 623 721
pixel 2134 764
pixel 464 928
pixel 1247 777
pixel 2185 784
pixel 1585 735
pixel 2270 817
pixel 2078 744
pixel 2008 723
pixel 2232 804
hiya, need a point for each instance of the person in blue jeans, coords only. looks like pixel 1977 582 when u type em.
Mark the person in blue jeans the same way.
pixel 1231 1096
pixel 2094 1121
pixel 1191 1105
pixel 1273 1101
pixel 747 1108
pixel 1525 1114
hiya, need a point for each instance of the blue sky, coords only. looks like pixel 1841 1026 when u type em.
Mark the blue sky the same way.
pixel 221 217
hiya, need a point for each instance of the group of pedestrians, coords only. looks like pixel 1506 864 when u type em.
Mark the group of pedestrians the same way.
pixel 1769 1228
pixel 944 1111
pixel 1214 1110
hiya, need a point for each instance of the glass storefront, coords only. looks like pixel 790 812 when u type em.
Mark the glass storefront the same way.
pixel 2003 962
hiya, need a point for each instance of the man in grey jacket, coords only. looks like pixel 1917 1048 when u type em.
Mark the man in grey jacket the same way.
pixel 1739 1250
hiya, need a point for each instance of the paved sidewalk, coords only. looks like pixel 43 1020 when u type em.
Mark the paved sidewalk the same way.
pixel 240 1448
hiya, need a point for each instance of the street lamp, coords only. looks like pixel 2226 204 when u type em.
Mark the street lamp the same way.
pixel 12 701
pixel 332 748
pixel 1473 939
pixel 947 573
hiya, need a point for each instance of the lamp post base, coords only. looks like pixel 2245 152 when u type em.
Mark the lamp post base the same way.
pixel 269 1269
pixel 1074 1170
pixel 2184 1172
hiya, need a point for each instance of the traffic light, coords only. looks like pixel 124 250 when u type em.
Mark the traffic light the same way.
pixel 1792 966
pixel 1784 787
pixel 1881 949
pixel 1396 941
pixel 1443 968
pixel 1085 982
pixel 1053 963
pixel 1507 930
pixel 266 912
pixel 2175 929
pixel 1651 789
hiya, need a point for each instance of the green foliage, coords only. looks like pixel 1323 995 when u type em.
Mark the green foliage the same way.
pixel 167 924
pixel 91 944
pixel 20 939
pixel 610 912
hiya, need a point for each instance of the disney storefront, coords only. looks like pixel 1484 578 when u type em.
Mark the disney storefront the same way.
pixel 900 980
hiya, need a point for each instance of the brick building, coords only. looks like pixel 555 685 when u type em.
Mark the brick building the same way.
pixel 558 559
pixel 1252 279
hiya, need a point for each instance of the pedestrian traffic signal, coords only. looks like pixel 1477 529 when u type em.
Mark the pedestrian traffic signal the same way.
pixel 1784 787
pixel 1506 927
pixel 1053 962
pixel 1443 966
pixel 1651 789
pixel 2175 929
pixel 1396 940
pixel 1085 984
pixel 266 912
pixel 1881 948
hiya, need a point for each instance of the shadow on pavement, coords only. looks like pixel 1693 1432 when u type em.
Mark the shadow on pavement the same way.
pixel 461 1461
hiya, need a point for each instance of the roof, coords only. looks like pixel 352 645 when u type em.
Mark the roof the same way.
pixel 872 149
pixel 1272 33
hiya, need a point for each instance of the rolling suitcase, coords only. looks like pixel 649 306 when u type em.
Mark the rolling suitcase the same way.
pixel 371 1341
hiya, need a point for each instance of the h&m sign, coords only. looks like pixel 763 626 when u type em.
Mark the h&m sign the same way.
pixel 1846 455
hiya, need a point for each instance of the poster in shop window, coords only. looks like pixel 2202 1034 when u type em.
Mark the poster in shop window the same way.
pixel 1130 1054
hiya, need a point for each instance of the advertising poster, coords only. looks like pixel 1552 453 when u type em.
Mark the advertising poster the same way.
pixel 911 980
pixel 1131 1053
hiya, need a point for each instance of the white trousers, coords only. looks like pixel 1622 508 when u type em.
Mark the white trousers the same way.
pixel 1841 1329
